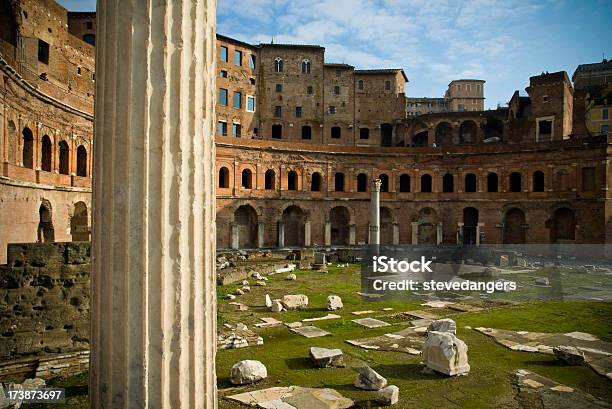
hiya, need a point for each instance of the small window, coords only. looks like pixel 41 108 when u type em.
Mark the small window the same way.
pixel 310 90
pixel 360 84
pixel 470 183
pixel 306 66
pixel 306 132
pixel 278 111
pixel 278 64
pixel 338 73
pixel 337 90
pixel 279 87
pixel 43 52
pixel 292 180
pixel 336 132
pixel 236 130
pixel 339 182
pixel 332 109
pixel 223 97
pixel 362 182
pixel 538 181
pixel 605 128
pixel 250 104
pixel 387 85
pixel 315 183
pixel 516 183
pixel 492 183
pixel 222 128
pixel 223 54
pixel 298 112
pixel 364 133
pixel 237 100
pixel 426 183
pixel 458 87
pixel 545 98
pixel 448 183
pixel 238 58
pixel 405 183
pixel 384 182
pixel 223 74
pixel 270 180
pixel 247 179
pixel 223 178
pixel 252 61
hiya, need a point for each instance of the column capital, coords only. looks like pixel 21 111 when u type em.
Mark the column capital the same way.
pixel 375 185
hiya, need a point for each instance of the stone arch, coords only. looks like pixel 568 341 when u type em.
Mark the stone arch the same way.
pixel 426 183
pixel 421 139
pixel 224 177
pixel 292 180
pixel 494 128
pixel 315 182
pixel 270 180
pixel 444 134
pixel 247 179
pixel 245 218
pixel 470 183
pixel 448 183
pixel 46 232
pixel 386 225
pixel 46 153
pixel 470 224
pixel 293 218
pixel 514 230
pixel 339 182
pixel 340 219
pixel 427 226
pixel 362 182
pixel 13 142
pixel 563 225
pixel 64 158
pixel 492 182
pixel 384 182
pixel 538 181
pixel 467 132
pixel 516 182
pixel 27 157
pixel 79 223
pixel 81 161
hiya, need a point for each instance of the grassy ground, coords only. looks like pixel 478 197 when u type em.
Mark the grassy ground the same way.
pixel 489 384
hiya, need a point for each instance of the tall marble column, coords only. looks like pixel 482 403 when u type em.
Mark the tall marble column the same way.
pixel 375 212
pixel 327 232
pixel 281 234
pixel 153 284
pixel 260 234
pixel 235 235
pixel 307 234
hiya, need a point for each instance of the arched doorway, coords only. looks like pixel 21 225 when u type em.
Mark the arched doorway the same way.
pixel 386 135
pixel 79 223
pixel 386 226
pixel 421 139
pixel 28 149
pixel 81 161
pixel 46 154
pixel 467 132
pixel 470 223
pixel 315 182
pixel 494 128
pixel 563 227
pixel 64 158
pixel 340 219
pixel 444 135
pixel 270 180
pixel 514 232
pixel 293 221
pixel 427 229
pixel 46 233
pixel 245 218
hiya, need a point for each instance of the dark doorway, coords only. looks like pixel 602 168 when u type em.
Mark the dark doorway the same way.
pixel 470 223
pixel 64 158
pixel 362 182
pixel 315 183
pixel 293 220
pixel 28 149
pixel 46 154
pixel 270 182
pixel 563 228
pixel 292 180
pixel 448 183
pixel 386 135
pixel 514 230
pixel 538 181
pixel 340 219
pixel 426 183
pixel 79 223
pixel 339 182
pixel 470 183
pixel 81 161
pixel 492 182
pixel 245 218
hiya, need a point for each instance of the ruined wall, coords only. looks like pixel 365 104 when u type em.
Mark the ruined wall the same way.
pixel 44 296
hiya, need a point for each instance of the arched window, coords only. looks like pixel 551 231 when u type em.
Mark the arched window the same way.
pixel 306 66
pixel 223 178
pixel 64 158
pixel 362 182
pixel 247 179
pixel 28 148
pixel 470 182
pixel 306 132
pixel 515 182
pixel 339 182
pixel 81 161
pixel 278 64
pixel 315 182
pixel 292 180
pixel 384 182
pixel 364 133
pixel 426 185
pixel 277 131
pixel 538 181
pixel 448 183
pixel 405 183
pixel 492 182
pixel 270 181
pixel 46 153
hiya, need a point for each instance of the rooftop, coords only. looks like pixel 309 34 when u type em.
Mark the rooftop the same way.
pixel 382 71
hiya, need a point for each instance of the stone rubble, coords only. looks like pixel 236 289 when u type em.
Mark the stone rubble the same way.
pixel 291 277
pixel 388 396
pixel 247 372
pixel 443 325
pixel 369 380
pixel 334 303
pixel 445 353
pixel 569 354
pixel 326 358
pixel 295 301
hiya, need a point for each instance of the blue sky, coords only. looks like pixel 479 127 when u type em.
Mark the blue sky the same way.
pixel 434 41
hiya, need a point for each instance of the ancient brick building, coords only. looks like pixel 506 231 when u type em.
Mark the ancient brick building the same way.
pixel 300 139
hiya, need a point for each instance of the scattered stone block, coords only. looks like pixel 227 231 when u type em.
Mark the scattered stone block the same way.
pixel 292 397
pixel 326 317
pixel 291 277
pixel 326 358
pixel 246 289
pixel 369 380
pixel 504 261
pixel 277 306
pixel 247 372
pixel 445 353
pixel 569 354
pixel 238 291
pixel 443 325
pixel 296 324
pixel 310 332
pixel 260 283
pixel 437 304
pixel 268 322
pixel 334 303
pixel 295 301
pixel 371 322
pixel 388 396
pixel 268 301
pixel 363 312
pixel 542 281
pixel 230 296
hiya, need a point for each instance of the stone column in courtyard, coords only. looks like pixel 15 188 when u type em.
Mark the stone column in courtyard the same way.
pixel 415 232
pixel 327 232
pixel 153 335
pixel 307 237
pixel 375 212
pixel 281 234
pixel 235 235
pixel 260 234
pixel 352 234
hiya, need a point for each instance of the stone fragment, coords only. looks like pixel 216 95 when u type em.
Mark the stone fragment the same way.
pixel 248 371
pixel 371 322
pixel 443 325
pixel 295 301
pixel 562 388
pixel 326 317
pixel 532 383
pixel 445 353
pixel 291 277
pixel 362 312
pixel 388 396
pixel 542 281
pixel 310 332
pixel 276 306
pixel 334 303
pixel 260 283
pixel 569 354
pixel 296 324
pixel 437 304
pixel 245 283
pixel 325 358
pixel 504 261
pixel 246 289
pixel 268 301
pixel 369 379
pixel 230 296
pixel 239 291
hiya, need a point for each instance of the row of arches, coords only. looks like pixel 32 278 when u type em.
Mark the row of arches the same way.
pixel 470 181
pixel 446 133
pixel 47 153
pixel 427 224
pixel 79 223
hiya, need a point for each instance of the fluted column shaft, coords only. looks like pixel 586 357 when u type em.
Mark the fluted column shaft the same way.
pixel 375 212
pixel 153 285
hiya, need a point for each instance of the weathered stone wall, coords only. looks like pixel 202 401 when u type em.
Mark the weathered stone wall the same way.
pixel 44 299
